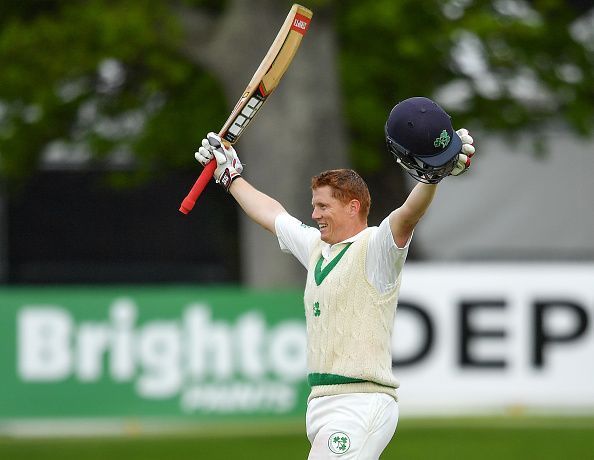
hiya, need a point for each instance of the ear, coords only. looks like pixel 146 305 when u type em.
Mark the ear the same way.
pixel 354 207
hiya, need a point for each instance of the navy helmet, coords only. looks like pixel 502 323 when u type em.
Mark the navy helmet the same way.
pixel 420 136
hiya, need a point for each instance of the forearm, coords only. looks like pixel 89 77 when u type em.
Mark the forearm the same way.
pixel 258 206
pixel 404 219
pixel 418 201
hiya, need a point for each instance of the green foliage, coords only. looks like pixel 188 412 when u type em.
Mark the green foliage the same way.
pixel 100 76
pixel 104 77
pixel 216 6
pixel 528 69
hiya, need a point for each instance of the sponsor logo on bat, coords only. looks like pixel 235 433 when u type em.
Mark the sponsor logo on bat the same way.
pixel 300 24
pixel 244 117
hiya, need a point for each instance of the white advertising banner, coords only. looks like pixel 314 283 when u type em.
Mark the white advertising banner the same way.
pixel 489 338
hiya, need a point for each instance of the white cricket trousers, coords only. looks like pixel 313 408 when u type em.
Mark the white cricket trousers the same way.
pixel 355 426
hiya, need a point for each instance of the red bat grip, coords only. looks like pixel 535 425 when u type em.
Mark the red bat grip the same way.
pixel 199 185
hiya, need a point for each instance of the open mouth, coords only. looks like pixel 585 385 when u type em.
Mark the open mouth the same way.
pixel 322 226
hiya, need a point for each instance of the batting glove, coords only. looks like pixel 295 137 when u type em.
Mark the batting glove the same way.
pixel 229 167
pixel 466 154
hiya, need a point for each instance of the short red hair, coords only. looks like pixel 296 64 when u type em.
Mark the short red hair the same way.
pixel 346 185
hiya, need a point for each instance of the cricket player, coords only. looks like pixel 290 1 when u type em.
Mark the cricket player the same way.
pixel 353 274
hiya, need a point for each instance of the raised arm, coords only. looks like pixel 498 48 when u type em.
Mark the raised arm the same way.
pixel 258 206
pixel 404 219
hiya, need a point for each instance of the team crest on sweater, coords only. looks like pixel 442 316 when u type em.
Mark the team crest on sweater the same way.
pixel 316 309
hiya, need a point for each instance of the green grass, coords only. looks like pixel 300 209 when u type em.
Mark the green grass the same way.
pixel 504 438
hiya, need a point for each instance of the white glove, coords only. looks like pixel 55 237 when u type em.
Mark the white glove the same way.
pixel 229 167
pixel 466 154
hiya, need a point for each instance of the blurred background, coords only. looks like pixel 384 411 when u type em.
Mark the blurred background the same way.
pixel 131 330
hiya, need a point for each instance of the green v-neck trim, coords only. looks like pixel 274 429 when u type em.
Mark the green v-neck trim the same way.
pixel 320 274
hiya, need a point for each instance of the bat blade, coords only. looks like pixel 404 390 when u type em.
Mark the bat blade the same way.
pixel 263 83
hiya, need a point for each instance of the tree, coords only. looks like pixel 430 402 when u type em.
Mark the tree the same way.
pixel 299 133
pixel 110 80
pixel 104 82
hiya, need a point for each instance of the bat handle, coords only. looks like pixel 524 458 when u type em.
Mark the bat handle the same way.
pixel 199 185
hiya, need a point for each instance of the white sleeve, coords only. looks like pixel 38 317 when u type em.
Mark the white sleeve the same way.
pixel 295 237
pixel 384 258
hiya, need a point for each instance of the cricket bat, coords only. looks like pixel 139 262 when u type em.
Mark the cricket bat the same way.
pixel 262 84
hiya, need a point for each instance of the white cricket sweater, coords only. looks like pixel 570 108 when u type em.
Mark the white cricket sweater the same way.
pixel 349 324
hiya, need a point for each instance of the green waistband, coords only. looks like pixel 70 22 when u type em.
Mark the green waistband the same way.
pixel 315 379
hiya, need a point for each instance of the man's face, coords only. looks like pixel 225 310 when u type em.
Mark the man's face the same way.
pixel 331 215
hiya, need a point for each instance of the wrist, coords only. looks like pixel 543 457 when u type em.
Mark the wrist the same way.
pixel 227 177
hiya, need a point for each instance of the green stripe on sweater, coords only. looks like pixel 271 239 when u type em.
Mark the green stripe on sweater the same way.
pixel 315 379
pixel 320 274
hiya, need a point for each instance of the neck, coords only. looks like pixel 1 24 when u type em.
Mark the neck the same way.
pixel 352 231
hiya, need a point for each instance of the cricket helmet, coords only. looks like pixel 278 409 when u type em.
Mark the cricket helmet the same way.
pixel 420 136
